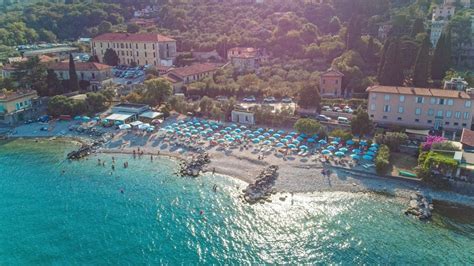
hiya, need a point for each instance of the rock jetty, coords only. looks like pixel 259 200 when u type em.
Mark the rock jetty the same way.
pixel 195 166
pixel 261 190
pixel 83 151
pixel 420 206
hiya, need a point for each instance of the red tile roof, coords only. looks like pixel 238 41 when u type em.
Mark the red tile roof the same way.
pixel 136 37
pixel 10 95
pixel 467 137
pixel 193 69
pixel 332 72
pixel 419 91
pixel 80 66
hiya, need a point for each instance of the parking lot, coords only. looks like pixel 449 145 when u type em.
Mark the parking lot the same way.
pixel 125 75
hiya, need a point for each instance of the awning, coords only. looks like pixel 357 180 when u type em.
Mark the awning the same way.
pixel 136 123
pixel 417 132
pixel 119 117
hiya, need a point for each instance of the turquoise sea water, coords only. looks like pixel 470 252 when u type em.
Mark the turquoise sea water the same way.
pixel 82 217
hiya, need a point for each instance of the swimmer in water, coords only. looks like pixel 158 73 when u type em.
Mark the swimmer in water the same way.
pixel 113 167
pixel 151 157
pixel 98 162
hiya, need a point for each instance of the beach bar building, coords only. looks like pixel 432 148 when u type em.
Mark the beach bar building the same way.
pixel 243 115
pixel 125 113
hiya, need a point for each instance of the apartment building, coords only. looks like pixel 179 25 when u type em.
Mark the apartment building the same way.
pixel 245 58
pixel 420 107
pixel 17 106
pixel 140 48
pixel 98 75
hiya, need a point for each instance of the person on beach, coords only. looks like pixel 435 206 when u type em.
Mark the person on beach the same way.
pixel 113 159
pixel 103 163
pixel 98 162
pixel 151 157
pixel 213 170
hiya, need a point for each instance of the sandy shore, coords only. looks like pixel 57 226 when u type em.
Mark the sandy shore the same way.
pixel 296 174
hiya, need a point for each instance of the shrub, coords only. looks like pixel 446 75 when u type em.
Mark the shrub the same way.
pixel 392 139
pixel 382 161
pixel 343 134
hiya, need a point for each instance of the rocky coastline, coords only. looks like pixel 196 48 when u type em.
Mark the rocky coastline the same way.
pixel 195 166
pixel 261 190
pixel 420 207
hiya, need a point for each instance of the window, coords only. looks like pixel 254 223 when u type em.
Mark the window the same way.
pixel 384 117
pixel 153 46
pixel 429 121
pixel 137 53
pixel 457 115
pixel 154 54
pixel 441 101
pixel 430 112
pixel 121 45
pixel 387 97
pixel 417 120
pixel 464 124
pixel 372 106
pixel 418 111
pixel 420 99
pixel 439 113
pixel 100 45
pixel 448 114
pixel 466 115
pixel 399 118
pixel 372 116
pixel 432 100
pixel 400 109
pixel 450 102
pixel 144 46
pixel 467 104
pixel 446 123
pixel 374 95
pixel 402 98
pixel 386 108
pixel 136 45
pixel 145 54
pixel 456 123
pixel 324 81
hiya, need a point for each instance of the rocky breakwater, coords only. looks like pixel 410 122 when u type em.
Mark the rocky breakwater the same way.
pixel 195 166
pixel 84 150
pixel 262 189
pixel 420 206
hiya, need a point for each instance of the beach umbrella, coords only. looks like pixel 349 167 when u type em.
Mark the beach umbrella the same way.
pixel 228 128
pixel 260 129
pixel 248 131
pixel 267 142
pixel 343 149
pixel 231 139
pixel 277 136
pixel 220 140
pixel 125 126
pixel 251 136
pixel 96 118
pixel 281 132
pixel 266 134
pixel 331 148
pixel 77 117
pixel 188 134
pixel 292 146
pixel 300 138
pixel 339 153
pixel 203 133
pixel 194 131
pixel 322 142
pixel 288 137
pixel 170 131
pixel 118 123
pixel 334 142
pixel 367 157
pixel 261 137
pixel 272 138
pixel 233 125
pixel 370 153
pixel 223 131
pixel 200 128
pixel 363 143
pixel 355 157
pixel 243 127
pixel 374 149
pixel 311 140
pixel 303 147
pixel 279 145
pixel 284 140
pixel 356 151
pixel 189 123
pixel 350 142
pixel 295 141
pixel 238 136
pixel 227 136
pixel 303 135
pixel 237 130
pixel 214 127
pixel 326 152
pixel 292 133
pixel 255 141
pixel 374 145
pixel 271 130
pixel 210 138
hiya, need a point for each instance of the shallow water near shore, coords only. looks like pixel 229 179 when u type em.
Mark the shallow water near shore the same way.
pixel 145 214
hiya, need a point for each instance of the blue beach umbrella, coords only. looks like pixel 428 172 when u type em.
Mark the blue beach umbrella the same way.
pixel 303 147
pixel 292 146
pixel 284 140
pixel 334 142
pixel 374 149
pixel 370 153
pixel 355 157
pixel 350 142
pixel 228 128
pixel 322 142
pixel 280 132
pixel 223 131
pixel 292 133
pixel 266 134
pixel 261 137
pixel 255 141
pixel 374 145
pixel 311 140
pixel 343 149
pixel 251 136
pixel 326 152
pixel 77 117
pixel 210 138
pixel 331 148
pixel 271 130
pixel 288 137
pixel 237 130
pixel 279 145
pixel 295 141
pixel 230 139
pixel 300 138
pixel 243 127
pixel 221 140
pixel 277 136
pixel 356 151
pixel 260 129
pixel 267 142
pixel 272 138
pixel 367 157
pixel 339 153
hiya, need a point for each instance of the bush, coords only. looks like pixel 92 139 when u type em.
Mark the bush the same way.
pixel 382 161
pixel 392 139
pixel 343 134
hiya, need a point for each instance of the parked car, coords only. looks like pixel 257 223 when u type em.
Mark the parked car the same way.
pixel 222 98
pixel 337 109
pixel 342 120
pixel 348 110
pixel 326 108
pixel 287 100
pixel 250 99
pixel 269 100
pixel 323 118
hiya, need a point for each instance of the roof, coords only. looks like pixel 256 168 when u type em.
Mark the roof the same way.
pixel 467 137
pixel 172 78
pixel 80 66
pixel 242 52
pixel 151 115
pixel 11 95
pixel 119 116
pixel 419 91
pixel 137 37
pixel 193 69
pixel 332 72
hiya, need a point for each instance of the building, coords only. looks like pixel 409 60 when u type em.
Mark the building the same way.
pixel 437 27
pixel 97 74
pixel 188 74
pixel 9 68
pixel 140 48
pixel 443 12
pixel 457 84
pixel 124 113
pixel 384 31
pixel 245 58
pixel 331 83
pixel 143 22
pixel 17 106
pixel 464 3
pixel 243 115
pixel 420 108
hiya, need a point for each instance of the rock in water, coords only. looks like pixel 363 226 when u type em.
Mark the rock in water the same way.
pixel 262 189
pixel 420 206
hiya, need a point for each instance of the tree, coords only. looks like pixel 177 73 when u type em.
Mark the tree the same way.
pixel 361 124
pixel 309 97
pixel 392 139
pixel 307 126
pixel 391 73
pixel 441 57
pixel 73 80
pixel 334 25
pixel 422 64
pixel 382 57
pixel 370 53
pixel 353 33
pixel 157 90
pixel 104 27
pixel 206 104
pixel 417 27
pixel 94 59
pixel 133 28
pixel 110 57
pixel 53 84
pixel 95 102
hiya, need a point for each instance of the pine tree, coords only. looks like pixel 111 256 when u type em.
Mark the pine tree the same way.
pixel 391 73
pixel 110 57
pixel 422 64
pixel 417 27
pixel 353 33
pixel 53 83
pixel 370 52
pixel 382 56
pixel 73 81
pixel 439 66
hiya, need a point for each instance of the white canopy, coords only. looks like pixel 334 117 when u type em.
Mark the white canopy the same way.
pixel 125 126
pixel 136 123
pixel 151 115
pixel 119 117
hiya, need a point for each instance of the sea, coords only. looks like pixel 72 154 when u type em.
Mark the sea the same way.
pixel 57 212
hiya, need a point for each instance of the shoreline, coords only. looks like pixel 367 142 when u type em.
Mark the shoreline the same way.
pixel 294 177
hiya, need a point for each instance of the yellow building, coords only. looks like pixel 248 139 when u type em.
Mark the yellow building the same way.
pixel 140 48
pixel 17 106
